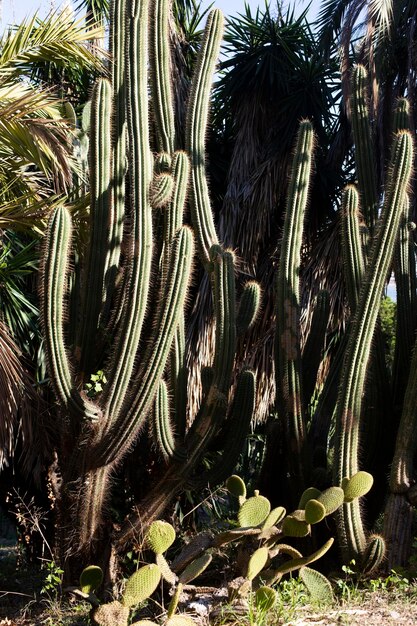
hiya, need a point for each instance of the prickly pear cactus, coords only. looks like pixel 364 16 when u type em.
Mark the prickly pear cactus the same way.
pixel 91 578
pixel 141 585
pixel 254 511
pixel 160 536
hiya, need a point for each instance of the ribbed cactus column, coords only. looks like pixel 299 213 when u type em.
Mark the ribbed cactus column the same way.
pixel 100 221
pixel 348 410
pixel 406 283
pixel 364 153
pixel 287 338
pixel 399 510
pixel 197 119
pixel 353 261
pixel 55 267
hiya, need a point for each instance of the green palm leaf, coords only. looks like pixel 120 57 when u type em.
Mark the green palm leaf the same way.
pixel 58 38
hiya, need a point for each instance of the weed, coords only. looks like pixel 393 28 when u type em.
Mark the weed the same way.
pixel 53 579
pixel 291 594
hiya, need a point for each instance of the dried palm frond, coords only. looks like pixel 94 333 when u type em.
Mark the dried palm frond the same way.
pixel 12 396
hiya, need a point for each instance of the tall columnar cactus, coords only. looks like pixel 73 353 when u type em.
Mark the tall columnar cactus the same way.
pixel 288 372
pixel 348 410
pixel 132 330
pixel 399 512
pixel 406 283
pixel 364 153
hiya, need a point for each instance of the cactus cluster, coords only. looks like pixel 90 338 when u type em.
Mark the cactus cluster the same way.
pixel 346 406
pixel 134 275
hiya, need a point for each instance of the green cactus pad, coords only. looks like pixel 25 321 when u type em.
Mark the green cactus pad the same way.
pixel 111 614
pixel 332 498
pixel 293 527
pixel 141 585
pixel 275 517
pixel 358 485
pixel 180 620
pixel 308 494
pixel 374 554
pixel 166 571
pixel 284 548
pixel 318 586
pixel 91 578
pixel 294 564
pixel 195 568
pixel 315 511
pixel 254 511
pixel 236 486
pixel 160 536
pixel 265 599
pixel 257 562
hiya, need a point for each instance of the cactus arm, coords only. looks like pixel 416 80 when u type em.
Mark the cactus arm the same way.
pixel 401 115
pixel 179 379
pixel 161 76
pixel 163 434
pixel 351 386
pixel 287 338
pixel 197 118
pixel 55 276
pixel 173 218
pixel 119 135
pixel 122 363
pixel 364 155
pixel 100 175
pixel 214 406
pixel 353 261
pixel 405 279
pixel 114 443
pixel 249 305
pixel 402 474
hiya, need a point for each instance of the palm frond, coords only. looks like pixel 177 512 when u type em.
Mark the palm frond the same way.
pixel 99 8
pixel 58 38
pixel 381 12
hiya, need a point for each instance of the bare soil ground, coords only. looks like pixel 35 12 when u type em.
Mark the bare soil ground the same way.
pixel 373 609
pixel 392 604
